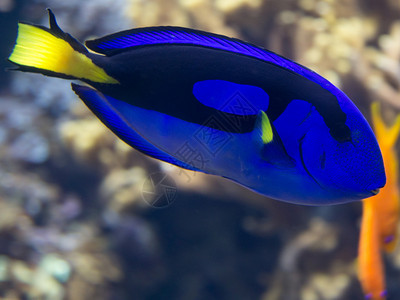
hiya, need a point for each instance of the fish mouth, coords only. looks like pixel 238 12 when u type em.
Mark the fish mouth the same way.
pixel 375 191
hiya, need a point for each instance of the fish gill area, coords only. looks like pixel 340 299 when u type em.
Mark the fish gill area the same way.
pixel 84 216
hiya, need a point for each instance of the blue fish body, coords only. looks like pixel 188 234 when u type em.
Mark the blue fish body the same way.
pixel 218 105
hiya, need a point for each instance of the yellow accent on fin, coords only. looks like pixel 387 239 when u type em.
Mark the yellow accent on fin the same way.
pixel 266 128
pixel 38 48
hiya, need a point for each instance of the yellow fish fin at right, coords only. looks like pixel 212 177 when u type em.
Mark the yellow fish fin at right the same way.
pixel 370 265
pixel 385 134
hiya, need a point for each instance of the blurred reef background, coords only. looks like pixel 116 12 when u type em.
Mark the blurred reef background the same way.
pixel 80 217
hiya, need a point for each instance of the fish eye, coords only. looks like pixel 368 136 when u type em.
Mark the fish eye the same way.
pixel 341 133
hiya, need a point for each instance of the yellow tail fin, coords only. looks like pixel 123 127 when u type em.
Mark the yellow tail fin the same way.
pixel 55 53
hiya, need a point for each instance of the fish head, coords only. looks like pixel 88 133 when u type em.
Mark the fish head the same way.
pixel 350 168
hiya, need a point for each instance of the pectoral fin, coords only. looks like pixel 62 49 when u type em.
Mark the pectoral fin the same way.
pixel 269 144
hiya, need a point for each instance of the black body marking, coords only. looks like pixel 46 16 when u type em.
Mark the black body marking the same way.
pixel 161 78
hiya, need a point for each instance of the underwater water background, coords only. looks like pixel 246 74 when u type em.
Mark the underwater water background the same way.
pixel 84 216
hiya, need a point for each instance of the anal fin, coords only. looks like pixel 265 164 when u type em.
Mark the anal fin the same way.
pixel 102 106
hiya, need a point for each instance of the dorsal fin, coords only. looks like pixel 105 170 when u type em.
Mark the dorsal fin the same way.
pixel 124 40
pixel 169 35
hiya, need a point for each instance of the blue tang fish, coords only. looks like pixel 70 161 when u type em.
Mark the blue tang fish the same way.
pixel 218 105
